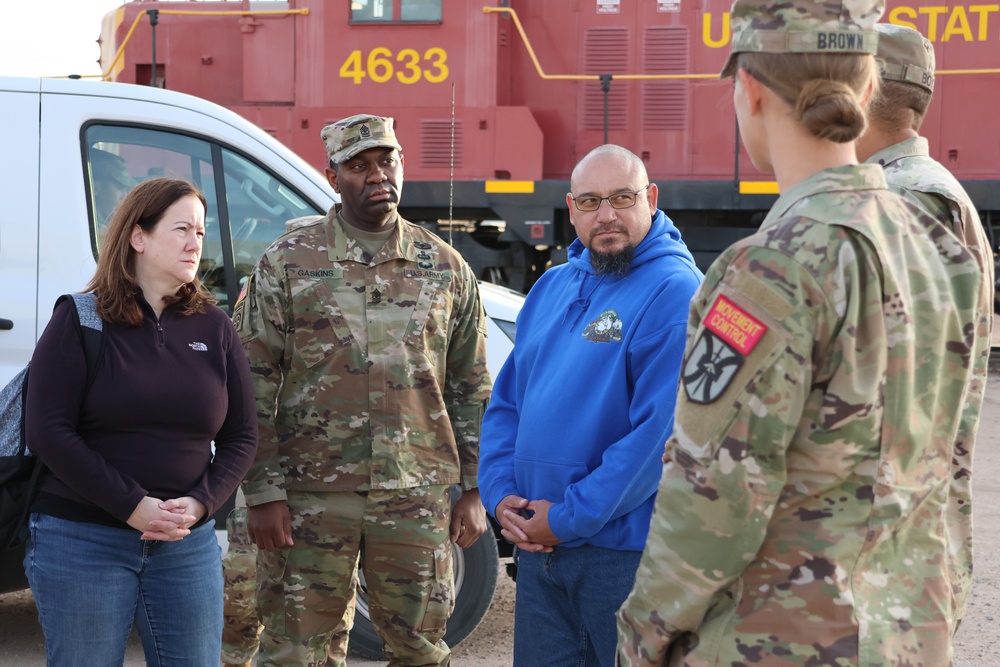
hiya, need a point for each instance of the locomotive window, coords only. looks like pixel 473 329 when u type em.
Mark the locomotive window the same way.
pixel 396 11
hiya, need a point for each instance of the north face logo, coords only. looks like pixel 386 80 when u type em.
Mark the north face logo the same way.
pixel 198 347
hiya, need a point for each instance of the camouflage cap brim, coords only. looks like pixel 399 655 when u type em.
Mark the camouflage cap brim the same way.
pixel 913 74
pixel 905 55
pixel 802 26
pixel 799 41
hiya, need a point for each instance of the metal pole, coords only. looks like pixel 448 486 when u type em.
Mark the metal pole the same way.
pixel 736 165
pixel 606 88
pixel 451 174
pixel 154 18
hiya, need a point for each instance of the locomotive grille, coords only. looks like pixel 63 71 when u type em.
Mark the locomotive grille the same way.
pixel 435 144
pixel 605 51
pixel 665 50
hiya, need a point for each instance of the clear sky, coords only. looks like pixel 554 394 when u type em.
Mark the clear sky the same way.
pixel 51 37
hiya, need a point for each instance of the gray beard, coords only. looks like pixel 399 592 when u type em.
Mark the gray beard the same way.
pixel 615 264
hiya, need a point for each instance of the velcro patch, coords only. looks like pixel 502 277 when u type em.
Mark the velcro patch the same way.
pixel 735 326
pixel 710 368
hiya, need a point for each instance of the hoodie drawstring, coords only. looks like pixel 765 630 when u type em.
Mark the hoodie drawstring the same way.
pixel 581 303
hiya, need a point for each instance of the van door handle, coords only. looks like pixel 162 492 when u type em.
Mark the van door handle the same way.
pixel 6 325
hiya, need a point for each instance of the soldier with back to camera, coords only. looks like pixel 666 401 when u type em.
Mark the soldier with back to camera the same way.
pixel 895 113
pixel 801 517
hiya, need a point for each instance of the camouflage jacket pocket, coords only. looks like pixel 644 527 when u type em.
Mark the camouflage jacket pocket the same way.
pixel 321 329
pixel 428 328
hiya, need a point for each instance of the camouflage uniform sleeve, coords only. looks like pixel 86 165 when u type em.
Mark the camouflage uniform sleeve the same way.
pixel 467 382
pixel 261 320
pixel 960 500
pixel 747 369
pixel 959 215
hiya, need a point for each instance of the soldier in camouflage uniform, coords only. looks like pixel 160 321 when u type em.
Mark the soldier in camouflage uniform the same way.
pixel 239 612
pixel 801 517
pixel 906 60
pixel 366 337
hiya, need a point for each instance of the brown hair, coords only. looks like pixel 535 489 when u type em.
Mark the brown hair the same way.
pixel 114 282
pixel 889 105
pixel 824 89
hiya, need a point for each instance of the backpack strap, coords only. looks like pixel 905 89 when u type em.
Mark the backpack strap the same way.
pixel 91 330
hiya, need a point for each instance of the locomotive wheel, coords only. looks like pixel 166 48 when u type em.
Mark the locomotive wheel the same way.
pixel 475 571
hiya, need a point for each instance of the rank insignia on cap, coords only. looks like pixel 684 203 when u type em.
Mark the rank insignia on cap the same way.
pixel 730 335
pixel 366 132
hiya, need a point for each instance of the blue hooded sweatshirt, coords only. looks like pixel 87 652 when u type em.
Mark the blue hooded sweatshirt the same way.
pixel 584 404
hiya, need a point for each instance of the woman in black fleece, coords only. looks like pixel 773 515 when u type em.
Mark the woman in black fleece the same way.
pixel 121 533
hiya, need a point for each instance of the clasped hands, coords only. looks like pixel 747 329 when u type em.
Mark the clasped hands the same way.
pixel 529 533
pixel 166 520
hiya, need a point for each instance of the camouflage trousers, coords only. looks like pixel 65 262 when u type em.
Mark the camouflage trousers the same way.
pixel 306 593
pixel 241 625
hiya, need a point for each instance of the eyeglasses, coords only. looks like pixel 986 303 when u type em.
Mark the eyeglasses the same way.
pixel 618 200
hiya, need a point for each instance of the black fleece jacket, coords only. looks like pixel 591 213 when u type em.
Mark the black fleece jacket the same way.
pixel 165 390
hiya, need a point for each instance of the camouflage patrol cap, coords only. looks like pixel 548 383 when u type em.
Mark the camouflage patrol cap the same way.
pixel 905 55
pixel 348 137
pixel 802 26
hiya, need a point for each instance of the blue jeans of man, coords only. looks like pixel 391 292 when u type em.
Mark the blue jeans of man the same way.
pixel 566 604
pixel 92 583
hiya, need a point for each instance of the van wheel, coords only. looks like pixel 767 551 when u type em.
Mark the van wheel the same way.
pixel 475 581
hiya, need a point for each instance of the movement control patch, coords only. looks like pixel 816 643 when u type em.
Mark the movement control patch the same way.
pixel 730 334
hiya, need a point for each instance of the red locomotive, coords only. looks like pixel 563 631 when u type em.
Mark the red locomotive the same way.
pixel 496 101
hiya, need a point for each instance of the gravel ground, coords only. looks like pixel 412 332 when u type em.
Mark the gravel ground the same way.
pixel 977 643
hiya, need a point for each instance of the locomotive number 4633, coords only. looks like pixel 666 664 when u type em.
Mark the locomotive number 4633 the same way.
pixel 408 66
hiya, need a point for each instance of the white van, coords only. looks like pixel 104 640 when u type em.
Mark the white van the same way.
pixel 50 227
pixel 68 143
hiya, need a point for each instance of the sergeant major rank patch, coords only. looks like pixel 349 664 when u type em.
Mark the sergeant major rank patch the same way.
pixel 607 328
pixel 729 336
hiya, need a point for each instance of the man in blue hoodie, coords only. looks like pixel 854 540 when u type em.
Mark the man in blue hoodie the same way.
pixel 571 446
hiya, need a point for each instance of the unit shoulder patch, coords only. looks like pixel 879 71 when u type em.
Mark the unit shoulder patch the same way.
pixel 709 368
pixel 730 334
pixel 734 325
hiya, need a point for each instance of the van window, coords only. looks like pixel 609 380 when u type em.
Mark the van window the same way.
pixel 247 205
pixel 259 206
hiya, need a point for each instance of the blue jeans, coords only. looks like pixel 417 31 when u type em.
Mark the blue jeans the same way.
pixel 92 583
pixel 566 604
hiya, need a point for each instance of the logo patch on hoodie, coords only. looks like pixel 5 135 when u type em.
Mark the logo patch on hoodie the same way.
pixel 198 346
pixel 607 328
